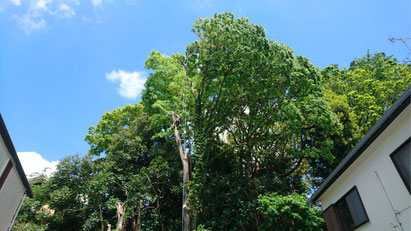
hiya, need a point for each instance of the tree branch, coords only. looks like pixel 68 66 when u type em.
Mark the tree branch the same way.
pixel 294 168
pixel 184 63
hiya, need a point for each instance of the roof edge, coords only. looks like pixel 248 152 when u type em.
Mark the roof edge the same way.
pixel 398 106
pixel 10 147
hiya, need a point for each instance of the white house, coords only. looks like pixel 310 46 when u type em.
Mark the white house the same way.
pixel 370 188
pixel 14 186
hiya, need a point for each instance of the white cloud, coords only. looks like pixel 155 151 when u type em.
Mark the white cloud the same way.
pixel 33 15
pixel 34 163
pixel 41 4
pixel 16 2
pixel 66 11
pixel 37 13
pixel 29 23
pixel 96 2
pixel 99 3
pixel 131 83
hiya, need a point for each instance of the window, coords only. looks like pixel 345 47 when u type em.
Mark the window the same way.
pixel 402 161
pixel 347 214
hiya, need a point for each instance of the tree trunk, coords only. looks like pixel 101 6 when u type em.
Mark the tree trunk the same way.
pixel 136 225
pixel 187 213
pixel 100 212
pixel 108 227
pixel 134 221
pixel 121 210
pixel 139 215
pixel 157 202
pixel 159 214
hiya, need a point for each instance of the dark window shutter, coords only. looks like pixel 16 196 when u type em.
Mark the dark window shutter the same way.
pixel 402 161
pixel 332 220
pixel 356 207
pixel 348 213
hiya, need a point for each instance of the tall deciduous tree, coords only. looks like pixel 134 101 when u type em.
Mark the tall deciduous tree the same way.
pixel 139 169
pixel 167 95
pixel 266 100
pixel 248 125
pixel 67 195
pixel 247 96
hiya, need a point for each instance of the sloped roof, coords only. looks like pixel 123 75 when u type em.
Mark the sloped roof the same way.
pixel 10 147
pixel 366 141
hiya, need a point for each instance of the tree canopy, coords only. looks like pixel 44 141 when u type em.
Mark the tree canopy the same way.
pixel 231 135
pixel 359 96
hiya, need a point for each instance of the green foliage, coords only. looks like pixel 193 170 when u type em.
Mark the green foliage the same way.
pixel 290 212
pixel 67 194
pixel 359 96
pixel 31 226
pixel 137 166
pixel 31 215
pixel 266 101
pixel 254 118
pixel 371 85
pixel 59 203
pixel 166 90
pixel 99 137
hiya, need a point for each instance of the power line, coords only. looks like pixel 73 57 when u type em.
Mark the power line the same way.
pixel 404 41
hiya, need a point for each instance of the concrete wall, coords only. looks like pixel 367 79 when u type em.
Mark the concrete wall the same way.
pixel 12 191
pixel 362 173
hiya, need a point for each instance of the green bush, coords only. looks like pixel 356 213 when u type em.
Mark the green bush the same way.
pixel 290 212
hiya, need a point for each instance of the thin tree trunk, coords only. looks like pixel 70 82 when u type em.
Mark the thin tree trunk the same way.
pixel 121 210
pixel 187 214
pixel 108 227
pixel 257 223
pixel 134 221
pixel 100 211
pixel 159 214
pixel 157 203
pixel 139 215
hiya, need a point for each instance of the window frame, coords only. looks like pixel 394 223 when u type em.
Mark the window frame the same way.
pixel 361 202
pixel 407 186
pixel 339 219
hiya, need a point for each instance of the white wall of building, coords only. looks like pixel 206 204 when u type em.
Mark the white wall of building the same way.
pixel 4 155
pixel 10 196
pixel 361 173
pixel 12 191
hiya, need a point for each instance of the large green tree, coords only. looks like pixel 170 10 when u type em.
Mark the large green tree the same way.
pixel 244 125
pixel 66 194
pixel 371 85
pixel 359 96
pixel 255 114
pixel 140 171
pixel 167 95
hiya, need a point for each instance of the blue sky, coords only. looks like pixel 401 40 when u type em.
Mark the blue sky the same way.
pixel 63 63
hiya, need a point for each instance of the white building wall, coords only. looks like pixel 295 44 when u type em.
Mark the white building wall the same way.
pixel 10 196
pixel 4 155
pixel 362 173
pixel 12 191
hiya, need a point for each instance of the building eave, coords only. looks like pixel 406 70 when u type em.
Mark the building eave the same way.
pixel 10 147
